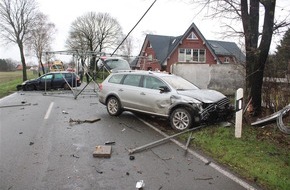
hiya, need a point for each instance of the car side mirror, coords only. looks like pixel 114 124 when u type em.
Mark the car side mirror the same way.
pixel 164 89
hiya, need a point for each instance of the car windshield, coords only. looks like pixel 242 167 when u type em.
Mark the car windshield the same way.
pixel 117 64
pixel 179 83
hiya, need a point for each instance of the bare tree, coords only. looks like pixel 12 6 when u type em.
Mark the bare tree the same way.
pixel 257 37
pixel 16 20
pixel 94 32
pixel 41 37
pixel 127 48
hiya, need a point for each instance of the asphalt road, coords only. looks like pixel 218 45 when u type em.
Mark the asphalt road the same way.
pixel 41 149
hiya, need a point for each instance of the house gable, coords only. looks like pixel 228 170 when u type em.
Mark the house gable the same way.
pixel 160 52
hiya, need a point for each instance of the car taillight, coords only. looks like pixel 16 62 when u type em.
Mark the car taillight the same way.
pixel 100 86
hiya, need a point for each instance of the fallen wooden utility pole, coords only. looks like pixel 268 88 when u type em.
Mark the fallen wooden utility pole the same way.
pixel 155 143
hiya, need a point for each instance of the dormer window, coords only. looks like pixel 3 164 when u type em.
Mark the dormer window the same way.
pixel 227 60
pixel 192 36
pixel 173 41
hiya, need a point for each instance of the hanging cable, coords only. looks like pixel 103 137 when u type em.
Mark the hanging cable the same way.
pixel 133 28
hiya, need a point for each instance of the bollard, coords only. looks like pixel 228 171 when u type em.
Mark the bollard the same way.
pixel 239 113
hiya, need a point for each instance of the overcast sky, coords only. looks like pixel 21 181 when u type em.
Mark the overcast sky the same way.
pixel 166 17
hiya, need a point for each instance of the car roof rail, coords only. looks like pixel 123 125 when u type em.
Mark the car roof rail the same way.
pixel 122 71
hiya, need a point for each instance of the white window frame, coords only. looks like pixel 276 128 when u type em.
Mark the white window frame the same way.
pixel 227 60
pixel 192 36
pixel 186 55
pixel 150 57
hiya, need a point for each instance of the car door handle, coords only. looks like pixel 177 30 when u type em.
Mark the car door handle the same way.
pixel 142 93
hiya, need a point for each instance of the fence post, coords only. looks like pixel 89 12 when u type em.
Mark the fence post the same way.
pixel 239 112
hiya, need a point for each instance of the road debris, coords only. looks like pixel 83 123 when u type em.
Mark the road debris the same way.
pixel 206 178
pixel 140 184
pixel 16 105
pixel 78 121
pixel 97 170
pixel 103 151
pixel 75 156
pixel 64 112
pixel 31 143
pixel 110 142
pixel 208 163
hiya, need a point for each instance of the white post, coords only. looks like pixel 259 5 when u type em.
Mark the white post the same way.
pixel 239 112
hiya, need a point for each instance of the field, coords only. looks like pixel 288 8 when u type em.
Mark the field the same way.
pixel 9 81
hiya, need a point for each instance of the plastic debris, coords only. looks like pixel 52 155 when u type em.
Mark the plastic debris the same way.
pixel 109 142
pixel 140 184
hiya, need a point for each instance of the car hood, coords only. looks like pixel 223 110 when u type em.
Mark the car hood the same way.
pixel 30 80
pixel 203 95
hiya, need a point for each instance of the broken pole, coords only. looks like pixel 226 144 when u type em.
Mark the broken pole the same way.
pixel 239 113
pixel 188 141
pixel 15 105
pixel 149 145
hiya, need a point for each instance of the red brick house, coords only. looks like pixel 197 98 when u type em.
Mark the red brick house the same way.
pixel 160 52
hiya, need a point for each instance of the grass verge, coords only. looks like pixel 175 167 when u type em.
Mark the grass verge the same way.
pixel 261 155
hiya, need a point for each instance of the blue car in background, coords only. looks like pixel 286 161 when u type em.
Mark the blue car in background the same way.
pixel 52 80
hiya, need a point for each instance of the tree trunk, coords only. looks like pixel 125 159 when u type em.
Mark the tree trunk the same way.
pixel 42 67
pixel 24 73
pixel 256 56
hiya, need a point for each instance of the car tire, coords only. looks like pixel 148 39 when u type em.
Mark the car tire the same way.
pixel 66 86
pixel 29 87
pixel 114 106
pixel 181 119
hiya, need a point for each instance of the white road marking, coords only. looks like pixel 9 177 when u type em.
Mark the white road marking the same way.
pixel 203 159
pixel 48 110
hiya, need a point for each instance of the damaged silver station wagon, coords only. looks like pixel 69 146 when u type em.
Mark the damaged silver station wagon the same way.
pixel 163 94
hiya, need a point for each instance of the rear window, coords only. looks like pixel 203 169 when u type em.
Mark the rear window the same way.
pixel 117 64
pixel 116 79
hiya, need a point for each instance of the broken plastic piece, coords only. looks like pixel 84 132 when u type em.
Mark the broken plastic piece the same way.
pixel 140 184
pixel 109 142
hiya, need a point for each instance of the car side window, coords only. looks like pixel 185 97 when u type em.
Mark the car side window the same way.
pixel 152 82
pixel 116 79
pixel 46 77
pixel 68 75
pixel 58 76
pixel 132 80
